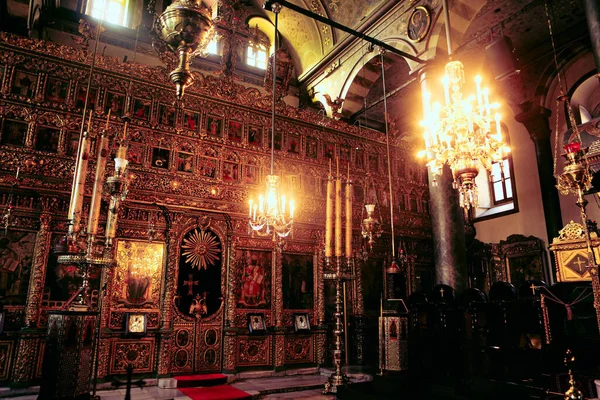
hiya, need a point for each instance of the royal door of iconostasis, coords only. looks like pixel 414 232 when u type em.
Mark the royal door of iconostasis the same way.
pixel 198 299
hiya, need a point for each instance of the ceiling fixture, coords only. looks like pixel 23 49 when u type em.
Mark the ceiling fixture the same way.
pixel 464 133
pixel 184 28
pixel 270 216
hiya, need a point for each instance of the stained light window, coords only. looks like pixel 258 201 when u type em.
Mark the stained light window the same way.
pixel 113 11
pixel 257 55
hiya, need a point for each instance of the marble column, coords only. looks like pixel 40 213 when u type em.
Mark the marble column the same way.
pixel 450 253
pixel 536 122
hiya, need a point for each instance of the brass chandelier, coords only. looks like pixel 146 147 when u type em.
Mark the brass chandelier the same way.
pixel 464 133
pixel 273 214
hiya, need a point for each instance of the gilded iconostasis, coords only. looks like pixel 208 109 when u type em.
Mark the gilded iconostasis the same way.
pixel 199 291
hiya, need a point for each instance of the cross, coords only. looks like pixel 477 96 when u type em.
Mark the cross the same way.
pixel 190 284
pixel 579 263
pixel 442 291
pixel 532 287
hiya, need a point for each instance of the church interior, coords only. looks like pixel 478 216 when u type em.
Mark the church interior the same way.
pixel 337 198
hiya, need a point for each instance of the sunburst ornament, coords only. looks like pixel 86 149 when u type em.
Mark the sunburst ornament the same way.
pixel 201 249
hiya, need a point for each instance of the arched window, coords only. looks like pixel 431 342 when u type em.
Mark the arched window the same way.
pixel 113 11
pixel 256 55
pixel 501 182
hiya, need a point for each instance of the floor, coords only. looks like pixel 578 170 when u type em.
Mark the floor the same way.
pixel 289 386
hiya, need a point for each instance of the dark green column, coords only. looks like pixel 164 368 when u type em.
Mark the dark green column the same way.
pixel 449 249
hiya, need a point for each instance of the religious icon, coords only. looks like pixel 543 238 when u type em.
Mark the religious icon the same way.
pixel 141 109
pixel 207 167
pixel 345 154
pixel 250 174
pixel 24 84
pixel 235 130
pixel 16 253
pixel 393 330
pixel 311 147
pixel 297 276
pixel 13 133
pixel 210 357
pixel 46 139
pixel 135 153
pixel 115 103
pixel 72 143
pixel 214 126
pixel 57 90
pixel 255 136
pixel 191 120
pixel 185 162
pixel 293 143
pixel 301 322
pixel 418 24
pixel 293 182
pixel 181 358
pixel 182 338
pixel 160 157
pixel 256 323
pixel 329 150
pixel 136 323
pixel 166 115
pixel 254 290
pixel 373 163
pixel 82 95
pixel 210 337
pixel 230 171
pixel 360 158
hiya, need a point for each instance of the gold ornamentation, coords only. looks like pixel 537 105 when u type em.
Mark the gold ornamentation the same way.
pixel 201 249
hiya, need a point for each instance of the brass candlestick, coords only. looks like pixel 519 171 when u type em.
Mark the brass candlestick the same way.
pixel 577 178
pixel 338 378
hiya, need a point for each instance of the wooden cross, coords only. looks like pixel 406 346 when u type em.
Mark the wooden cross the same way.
pixel 532 287
pixel 190 284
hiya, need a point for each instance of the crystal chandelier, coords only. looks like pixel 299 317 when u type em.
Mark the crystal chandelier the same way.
pixel 464 133
pixel 272 215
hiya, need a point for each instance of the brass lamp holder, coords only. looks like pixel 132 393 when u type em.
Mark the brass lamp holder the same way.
pixel 576 179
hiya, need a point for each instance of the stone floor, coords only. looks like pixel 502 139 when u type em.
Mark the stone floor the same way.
pixel 304 384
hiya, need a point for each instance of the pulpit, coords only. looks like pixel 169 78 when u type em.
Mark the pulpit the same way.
pixel 393 336
pixel 68 358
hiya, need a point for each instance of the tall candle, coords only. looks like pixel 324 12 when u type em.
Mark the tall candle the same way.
pixel 98 182
pixel 338 215
pixel 78 187
pixel 349 216
pixel 329 214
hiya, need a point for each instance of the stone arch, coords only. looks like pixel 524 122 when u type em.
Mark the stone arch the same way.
pixel 353 89
pixel 462 14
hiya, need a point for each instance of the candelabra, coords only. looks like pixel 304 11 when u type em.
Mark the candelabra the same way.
pixel 338 378
pixel 576 179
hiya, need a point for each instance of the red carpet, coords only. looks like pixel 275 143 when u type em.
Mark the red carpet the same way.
pixel 221 392
pixel 188 381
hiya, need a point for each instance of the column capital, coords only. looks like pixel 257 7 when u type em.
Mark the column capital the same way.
pixel 536 121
